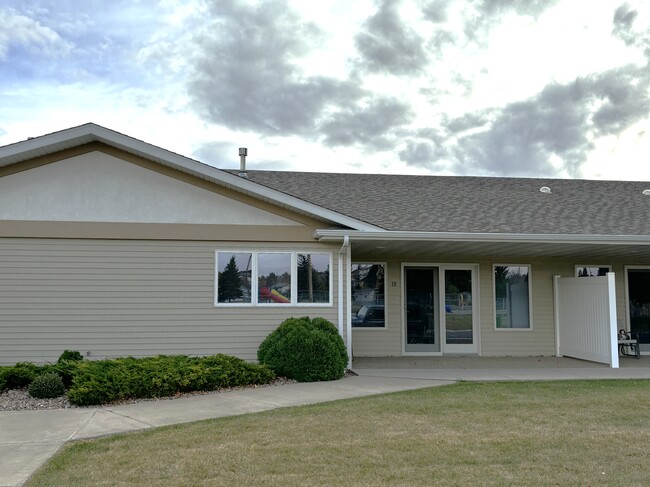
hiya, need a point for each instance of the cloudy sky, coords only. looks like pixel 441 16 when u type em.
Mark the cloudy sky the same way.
pixel 537 88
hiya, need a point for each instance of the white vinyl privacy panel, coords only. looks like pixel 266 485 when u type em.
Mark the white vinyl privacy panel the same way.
pixel 586 318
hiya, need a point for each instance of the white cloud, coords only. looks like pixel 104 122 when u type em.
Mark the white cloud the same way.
pixel 623 156
pixel 328 85
pixel 22 31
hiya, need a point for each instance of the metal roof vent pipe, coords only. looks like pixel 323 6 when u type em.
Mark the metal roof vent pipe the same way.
pixel 243 152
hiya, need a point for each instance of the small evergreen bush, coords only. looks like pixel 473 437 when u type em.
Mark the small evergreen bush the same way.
pixel 46 386
pixel 23 373
pixel 66 366
pixel 20 375
pixel 70 356
pixel 4 371
pixel 305 349
pixel 104 381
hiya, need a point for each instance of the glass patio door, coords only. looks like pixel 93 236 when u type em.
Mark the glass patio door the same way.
pixel 638 292
pixel 422 316
pixel 459 318
pixel 440 309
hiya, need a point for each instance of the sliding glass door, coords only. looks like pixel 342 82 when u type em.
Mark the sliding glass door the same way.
pixel 439 311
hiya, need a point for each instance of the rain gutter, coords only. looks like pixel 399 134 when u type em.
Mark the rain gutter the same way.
pixel 338 235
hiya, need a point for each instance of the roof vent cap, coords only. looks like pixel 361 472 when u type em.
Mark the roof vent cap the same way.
pixel 243 152
pixel 646 192
pixel 545 189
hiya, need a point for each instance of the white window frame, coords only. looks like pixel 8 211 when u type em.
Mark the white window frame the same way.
pixel 375 328
pixel 255 277
pixel 530 298
pixel 579 267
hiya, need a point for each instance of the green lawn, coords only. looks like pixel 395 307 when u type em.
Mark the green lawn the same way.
pixel 458 322
pixel 577 433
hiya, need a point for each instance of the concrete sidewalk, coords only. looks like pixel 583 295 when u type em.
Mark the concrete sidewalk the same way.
pixel 29 438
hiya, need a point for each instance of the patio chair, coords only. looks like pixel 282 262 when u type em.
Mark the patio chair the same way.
pixel 628 344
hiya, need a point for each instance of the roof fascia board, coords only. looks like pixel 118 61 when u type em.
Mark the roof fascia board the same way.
pixel 43 141
pixel 202 170
pixel 337 235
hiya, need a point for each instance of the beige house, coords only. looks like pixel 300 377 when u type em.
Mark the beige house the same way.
pixel 112 246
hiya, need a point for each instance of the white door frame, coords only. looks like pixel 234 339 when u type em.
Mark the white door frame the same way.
pixel 475 347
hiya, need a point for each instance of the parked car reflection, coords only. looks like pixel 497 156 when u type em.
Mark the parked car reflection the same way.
pixel 369 316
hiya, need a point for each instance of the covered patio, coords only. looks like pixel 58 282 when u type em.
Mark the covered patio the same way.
pixel 482 363
pixel 474 368
pixel 510 289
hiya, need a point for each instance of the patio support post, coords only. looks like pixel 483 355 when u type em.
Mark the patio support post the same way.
pixel 613 325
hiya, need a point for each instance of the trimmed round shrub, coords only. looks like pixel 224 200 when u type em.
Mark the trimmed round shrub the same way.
pixel 47 386
pixel 65 369
pixel 306 350
pixel 66 366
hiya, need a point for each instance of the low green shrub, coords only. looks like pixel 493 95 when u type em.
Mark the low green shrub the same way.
pixel 70 356
pixel 20 375
pixel 66 366
pixel 65 369
pixel 46 386
pixel 23 373
pixel 104 381
pixel 305 349
pixel 4 371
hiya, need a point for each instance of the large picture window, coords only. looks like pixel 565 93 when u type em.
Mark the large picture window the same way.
pixel 272 278
pixel 368 291
pixel 512 296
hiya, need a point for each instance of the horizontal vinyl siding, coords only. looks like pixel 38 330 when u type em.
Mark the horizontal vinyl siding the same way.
pixel 385 342
pixel 111 298
pixel 541 339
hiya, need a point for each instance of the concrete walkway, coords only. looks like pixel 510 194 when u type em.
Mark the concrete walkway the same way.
pixel 29 438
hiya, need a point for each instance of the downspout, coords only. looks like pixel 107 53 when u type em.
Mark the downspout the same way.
pixel 349 302
pixel 345 246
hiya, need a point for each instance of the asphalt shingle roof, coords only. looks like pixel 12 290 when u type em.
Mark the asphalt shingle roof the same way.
pixel 473 204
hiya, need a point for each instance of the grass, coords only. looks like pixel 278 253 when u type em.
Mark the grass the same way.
pixel 457 322
pixel 582 433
